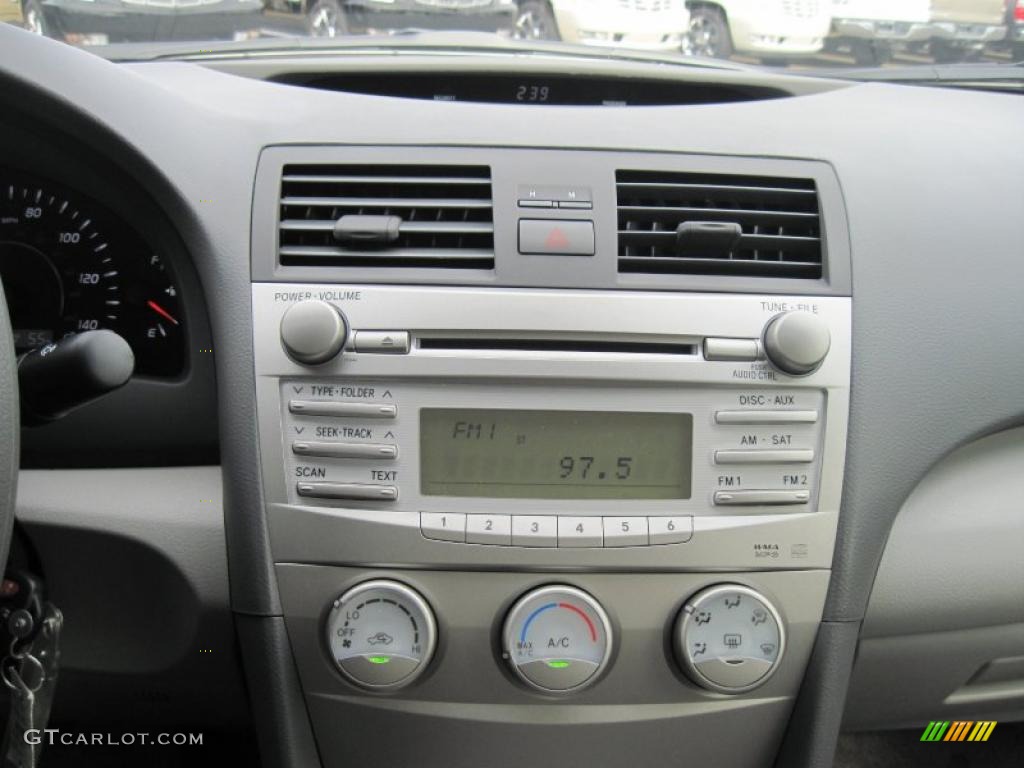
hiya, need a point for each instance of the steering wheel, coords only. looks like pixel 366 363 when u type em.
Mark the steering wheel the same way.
pixel 9 429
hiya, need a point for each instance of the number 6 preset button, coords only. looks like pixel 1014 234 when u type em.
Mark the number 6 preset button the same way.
pixel 625 532
pixel 489 529
pixel 671 530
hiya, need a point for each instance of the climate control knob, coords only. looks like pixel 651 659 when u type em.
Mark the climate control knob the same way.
pixel 729 638
pixel 381 634
pixel 557 639
pixel 313 331
pixel 796 342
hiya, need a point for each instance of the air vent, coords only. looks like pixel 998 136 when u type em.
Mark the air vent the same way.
pixel 426 216
pixel 714 224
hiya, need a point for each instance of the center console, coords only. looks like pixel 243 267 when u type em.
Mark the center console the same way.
pixel 506 517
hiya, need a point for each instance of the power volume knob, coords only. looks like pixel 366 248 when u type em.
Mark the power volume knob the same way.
pixel 796 342
pixel 313 331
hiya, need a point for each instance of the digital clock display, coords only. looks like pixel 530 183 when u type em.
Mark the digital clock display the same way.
pixel 496 453
pixel 532 93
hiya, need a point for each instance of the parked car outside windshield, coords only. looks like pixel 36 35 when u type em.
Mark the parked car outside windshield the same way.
pixel 801 35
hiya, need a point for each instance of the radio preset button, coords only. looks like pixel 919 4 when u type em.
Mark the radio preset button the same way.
pixel 534 531
pixel 766 417
pixel 580 532
pixel 731 350
pixel 625 532
pixel 745 498
pixel 784 456
pixel 350 491
pixel 382 342
pixel 443 526
pixel 342 410
pixel 670 530
pixel 345 450
pixel 489 529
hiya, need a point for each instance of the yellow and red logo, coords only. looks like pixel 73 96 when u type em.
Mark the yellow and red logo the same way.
pixel 958 730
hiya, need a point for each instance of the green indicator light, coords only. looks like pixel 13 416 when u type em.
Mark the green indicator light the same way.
pixel 558 664
pixel 378 659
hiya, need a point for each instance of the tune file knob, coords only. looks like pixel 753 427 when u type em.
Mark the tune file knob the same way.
pixel 796 342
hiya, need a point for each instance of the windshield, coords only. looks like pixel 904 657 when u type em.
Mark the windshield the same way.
pixel 803 35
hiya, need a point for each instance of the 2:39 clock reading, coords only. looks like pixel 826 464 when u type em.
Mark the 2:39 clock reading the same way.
pixel 582 467
pixel 537 94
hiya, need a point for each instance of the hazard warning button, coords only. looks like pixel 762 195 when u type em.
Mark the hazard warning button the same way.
pixel 556 237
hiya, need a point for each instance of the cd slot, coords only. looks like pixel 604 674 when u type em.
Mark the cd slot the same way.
pixel 604 346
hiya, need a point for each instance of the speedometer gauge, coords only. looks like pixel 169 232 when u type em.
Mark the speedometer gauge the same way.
pixel 68 265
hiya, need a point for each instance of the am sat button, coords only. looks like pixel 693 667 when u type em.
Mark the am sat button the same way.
pixel 556 237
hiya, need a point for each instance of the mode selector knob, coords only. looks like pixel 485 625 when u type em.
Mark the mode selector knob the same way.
pixel 796 342
pixel 313 331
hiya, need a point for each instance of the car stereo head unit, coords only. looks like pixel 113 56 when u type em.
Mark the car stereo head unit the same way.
pixel 551 427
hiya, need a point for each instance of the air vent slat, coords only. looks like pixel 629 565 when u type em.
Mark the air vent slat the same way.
pixel 746 242
pixel 737 191
pixel 337 179
pixel 382 202
pixel 734 225
pixel 328 255
pixel 444 216
pixel 750 267
pixel 680 213
pixel 418 227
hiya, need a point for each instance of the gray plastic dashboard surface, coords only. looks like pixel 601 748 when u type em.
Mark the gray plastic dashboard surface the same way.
pixel 930 180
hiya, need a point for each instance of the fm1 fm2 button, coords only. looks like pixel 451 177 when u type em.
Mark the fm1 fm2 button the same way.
pixel 557 639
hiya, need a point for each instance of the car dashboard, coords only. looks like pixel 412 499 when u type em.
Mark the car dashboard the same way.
pixel 556 400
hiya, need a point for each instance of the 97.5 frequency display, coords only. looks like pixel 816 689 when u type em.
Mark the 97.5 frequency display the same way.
pixel 533 454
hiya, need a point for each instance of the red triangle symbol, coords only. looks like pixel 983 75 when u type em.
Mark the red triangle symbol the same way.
pixel 556 240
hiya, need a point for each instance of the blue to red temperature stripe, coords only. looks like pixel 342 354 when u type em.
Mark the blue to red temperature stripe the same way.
pixel 541 609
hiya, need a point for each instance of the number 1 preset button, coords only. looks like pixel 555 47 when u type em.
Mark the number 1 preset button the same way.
pixel 443 526
pixel 625 532
pixel 580 532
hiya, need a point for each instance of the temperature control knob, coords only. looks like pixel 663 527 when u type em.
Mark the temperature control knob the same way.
pixel 313 331
pixel 381 634
pixel 557 639
pixel 796 342
pixel 729 638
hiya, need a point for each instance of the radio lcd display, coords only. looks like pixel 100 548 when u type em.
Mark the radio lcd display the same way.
pixel 496 453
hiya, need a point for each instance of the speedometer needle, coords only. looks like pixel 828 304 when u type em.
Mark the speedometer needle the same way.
pixel 161 311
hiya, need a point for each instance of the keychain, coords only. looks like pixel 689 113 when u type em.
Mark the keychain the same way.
pixel 29 670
